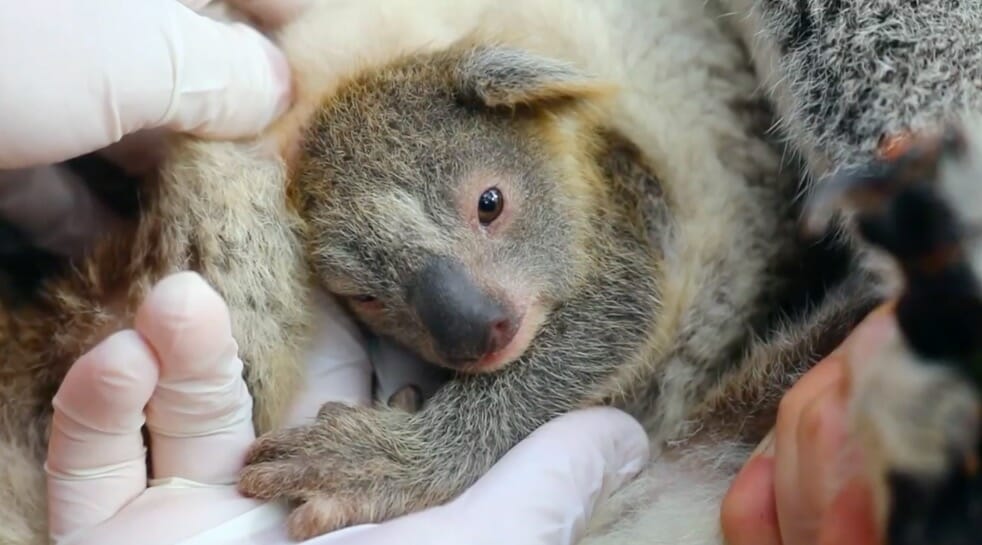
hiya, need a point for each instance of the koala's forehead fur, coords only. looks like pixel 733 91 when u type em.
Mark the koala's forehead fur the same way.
pixel 393 162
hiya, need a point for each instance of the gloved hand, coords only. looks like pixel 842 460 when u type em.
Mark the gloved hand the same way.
pixel 114 76
pixel 76 77
pixel 180 363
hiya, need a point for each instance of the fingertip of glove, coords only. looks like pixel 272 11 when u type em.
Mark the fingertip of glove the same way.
pixel 120 371
pixel 233 83
pixel 258 92
pixel 179 298
pixel 613 421
pixel 185 320
pixel 282 79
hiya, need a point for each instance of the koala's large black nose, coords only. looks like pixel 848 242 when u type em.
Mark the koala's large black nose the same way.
pixel 465 323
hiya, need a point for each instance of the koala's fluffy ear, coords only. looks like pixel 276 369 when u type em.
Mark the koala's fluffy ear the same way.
pixel 508 77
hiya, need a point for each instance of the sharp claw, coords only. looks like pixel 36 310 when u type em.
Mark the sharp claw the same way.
pixel 260 481
pixel 278 445
pixel 317 516
pixel 294 480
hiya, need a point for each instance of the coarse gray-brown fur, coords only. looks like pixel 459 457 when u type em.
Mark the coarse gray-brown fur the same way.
pixel 410 146
pixel 849 71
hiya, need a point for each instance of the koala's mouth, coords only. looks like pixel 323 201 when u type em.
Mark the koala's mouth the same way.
pixel 528 327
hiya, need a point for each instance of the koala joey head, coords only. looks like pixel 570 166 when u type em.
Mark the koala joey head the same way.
pixel 444 199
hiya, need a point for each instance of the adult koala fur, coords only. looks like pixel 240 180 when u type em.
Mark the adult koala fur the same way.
pixel 677 288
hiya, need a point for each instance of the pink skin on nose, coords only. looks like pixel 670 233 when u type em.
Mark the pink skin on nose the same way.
pixel 529 325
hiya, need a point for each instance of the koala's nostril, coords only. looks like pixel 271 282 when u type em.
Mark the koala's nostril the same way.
pixel 501 333
pixel 464 322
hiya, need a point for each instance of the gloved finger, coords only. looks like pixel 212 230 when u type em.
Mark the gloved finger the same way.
pixel 337 364
pixel 53 207
pixel 200 416
pixel 545 488
pixel 195 4
pixel 169 514
pixel 96 457
pixel 552 481
pixel 228 79
pixel 153 63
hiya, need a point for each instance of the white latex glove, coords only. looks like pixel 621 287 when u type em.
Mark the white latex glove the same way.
pixel 180 364
pixel 76 77
pixel 115 76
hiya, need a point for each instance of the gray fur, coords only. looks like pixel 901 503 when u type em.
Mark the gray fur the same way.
pixel 656 235
pixel 507 77
pixel 854 70
pixel 385 175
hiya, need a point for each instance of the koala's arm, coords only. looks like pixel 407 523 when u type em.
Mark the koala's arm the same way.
pixel 845 72
pixel 220 209
pixel 358 465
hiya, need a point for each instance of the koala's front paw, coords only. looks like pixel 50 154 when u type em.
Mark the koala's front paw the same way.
pixel 352 466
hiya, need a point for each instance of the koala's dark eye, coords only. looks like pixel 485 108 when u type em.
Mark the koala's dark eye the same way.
pixel 489 205
pixel 363 298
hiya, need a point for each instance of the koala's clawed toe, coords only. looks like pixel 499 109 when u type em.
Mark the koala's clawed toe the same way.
pixel 318 515
pixel 271 480
pixel 278 445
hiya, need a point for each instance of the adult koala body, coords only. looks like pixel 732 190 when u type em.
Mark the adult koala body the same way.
pixel 644 255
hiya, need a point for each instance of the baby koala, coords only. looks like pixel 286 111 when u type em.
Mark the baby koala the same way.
pixel 564 203
pixel 472 205
pixel 477 205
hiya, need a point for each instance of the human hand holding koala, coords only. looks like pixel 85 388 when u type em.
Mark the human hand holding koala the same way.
pixel 803 484
pixel 180 363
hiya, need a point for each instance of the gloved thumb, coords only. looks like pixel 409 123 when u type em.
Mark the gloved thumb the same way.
pixel 200 416
pixel 79 76
pixel 228 79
